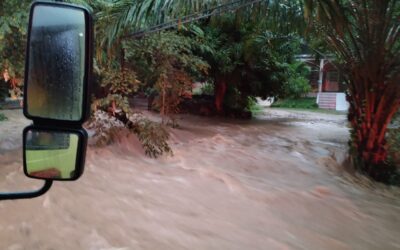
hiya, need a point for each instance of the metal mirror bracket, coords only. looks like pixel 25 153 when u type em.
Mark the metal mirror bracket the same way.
pixel 27 195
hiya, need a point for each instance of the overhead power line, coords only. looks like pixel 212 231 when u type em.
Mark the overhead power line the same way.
pixel 224 8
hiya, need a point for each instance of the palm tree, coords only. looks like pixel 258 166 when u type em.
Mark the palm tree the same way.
pixel 365 36
pixel 119 17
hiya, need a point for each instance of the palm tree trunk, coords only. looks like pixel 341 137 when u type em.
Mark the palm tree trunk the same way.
pixel 371 111
pixel 220 91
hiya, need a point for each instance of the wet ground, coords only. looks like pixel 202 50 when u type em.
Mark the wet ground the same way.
pixel 275 182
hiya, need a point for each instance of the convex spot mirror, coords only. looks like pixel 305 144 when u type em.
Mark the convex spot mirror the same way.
pixel 58 63
pixel 58 71
pixel 53 154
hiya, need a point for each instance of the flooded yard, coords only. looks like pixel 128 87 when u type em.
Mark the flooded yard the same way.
pixel 274 182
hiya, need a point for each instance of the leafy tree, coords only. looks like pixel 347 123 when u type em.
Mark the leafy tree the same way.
pixel 166 63
pixel 229 43
pixel 13 23
pixel 285 17
pixel 122 16
pixel 246 60
pixel 118 86
pixel 297 83
pixel 365 36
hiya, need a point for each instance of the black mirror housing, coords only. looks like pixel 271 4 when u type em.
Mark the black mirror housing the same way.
pixel 58 64
pixel 58 69
pixel 54 154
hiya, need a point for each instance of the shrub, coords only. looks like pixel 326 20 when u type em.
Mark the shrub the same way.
pixel 2 117
pixel 103 126
pixel 122 82
pixel 297 84
pixel 152 135
pixel 254 107
pixel 173 86
pixel 207 88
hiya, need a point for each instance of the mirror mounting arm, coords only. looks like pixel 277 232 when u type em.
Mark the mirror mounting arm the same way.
pixel 27 195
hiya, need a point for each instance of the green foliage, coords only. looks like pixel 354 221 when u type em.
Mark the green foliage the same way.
pixel 3 90
pixel 153 136
pixel 300 103
pixel 3 117
pixel 207 88
pixel 234 47
pixel 113 112
pixel 153 55
pixel 13 23
pixel 113 103
pixel 286 17
pixel 119 17
pixel 172 87
pixel 118 86
pixel 254 107
pixel 297 83
pixel 235 100
pixel 166 63
pixel 250 59
pixel 104 127
pixel 121 82
pixel 364 35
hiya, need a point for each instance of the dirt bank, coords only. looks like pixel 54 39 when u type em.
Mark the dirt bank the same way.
pixel 269 183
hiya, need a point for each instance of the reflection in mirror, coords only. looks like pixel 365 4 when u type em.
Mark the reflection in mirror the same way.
pixel 56 66
pixel 50 154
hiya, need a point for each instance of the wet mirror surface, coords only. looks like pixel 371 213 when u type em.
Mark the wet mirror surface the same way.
pixel 56 63
pixel 51 155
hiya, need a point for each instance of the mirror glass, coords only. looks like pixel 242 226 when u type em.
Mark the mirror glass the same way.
pixel 51 154
pixel 56 64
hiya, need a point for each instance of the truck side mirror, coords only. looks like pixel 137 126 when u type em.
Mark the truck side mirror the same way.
pixel 57 75
pixel 58 63
pixel 58 68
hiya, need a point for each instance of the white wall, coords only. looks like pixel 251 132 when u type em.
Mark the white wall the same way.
pixel 341 103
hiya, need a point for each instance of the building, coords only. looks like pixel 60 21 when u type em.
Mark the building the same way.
pixel 327 83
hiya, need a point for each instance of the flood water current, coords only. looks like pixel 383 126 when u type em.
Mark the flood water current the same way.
pixel 275 182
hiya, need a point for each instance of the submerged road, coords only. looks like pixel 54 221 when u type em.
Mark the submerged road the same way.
pixel 275 182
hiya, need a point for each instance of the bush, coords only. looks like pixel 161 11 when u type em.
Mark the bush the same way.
pixel 297 84
pixel 254 107
pixel 2 117
pixel 300 103
pixel 152 135
pixel 103 126
pixel 207 88
pixel 112 112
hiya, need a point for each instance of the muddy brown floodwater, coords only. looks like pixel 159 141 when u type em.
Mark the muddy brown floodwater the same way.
pixel 275 182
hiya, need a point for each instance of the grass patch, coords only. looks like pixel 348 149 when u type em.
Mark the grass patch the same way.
pixel 3 117
pixel 318 110
pixel 304 104
pixel 299 103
